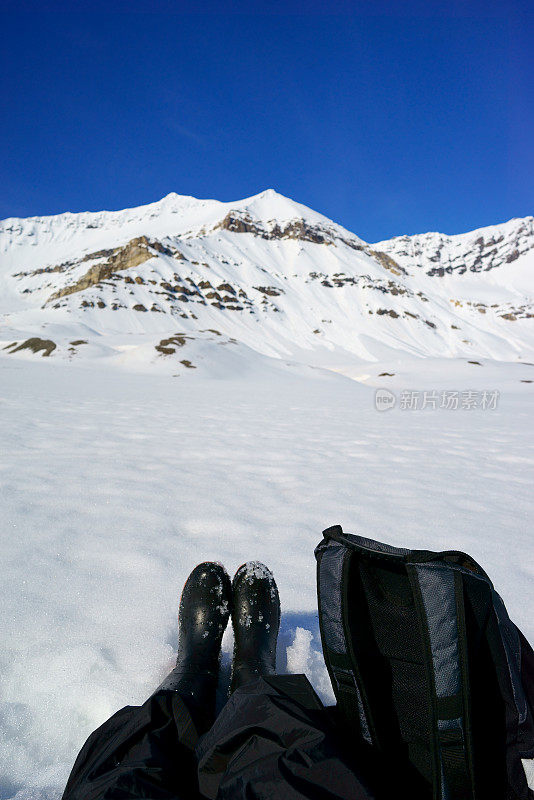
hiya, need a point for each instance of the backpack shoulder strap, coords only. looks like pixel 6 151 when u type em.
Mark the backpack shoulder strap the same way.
pixel 438 595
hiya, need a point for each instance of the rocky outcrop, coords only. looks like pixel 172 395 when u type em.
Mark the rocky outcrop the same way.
pixel 298 229
pixel 272 291
pixel 240 223
pixel 440 255
pixel 389 311
pixel 295 229
pixel 136 252
pixel 36 345
pixel 65 266
pixel 388 262
pixel 168 346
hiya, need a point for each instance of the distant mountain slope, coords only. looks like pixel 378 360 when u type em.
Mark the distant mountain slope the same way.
pixel 264 276
pixel 477 251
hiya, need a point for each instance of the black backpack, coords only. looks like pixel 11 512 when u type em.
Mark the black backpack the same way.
pixel 433 680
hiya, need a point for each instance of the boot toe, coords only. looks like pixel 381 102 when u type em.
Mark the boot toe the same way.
pixel 203 615
pixel 255 596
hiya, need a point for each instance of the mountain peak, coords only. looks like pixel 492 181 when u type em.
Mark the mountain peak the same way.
pixel 270 193
pixel 264 271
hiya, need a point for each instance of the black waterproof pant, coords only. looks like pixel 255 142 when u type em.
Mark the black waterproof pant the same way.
pixel 273 740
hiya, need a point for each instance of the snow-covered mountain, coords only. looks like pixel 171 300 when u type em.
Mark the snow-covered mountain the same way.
pixel 186 283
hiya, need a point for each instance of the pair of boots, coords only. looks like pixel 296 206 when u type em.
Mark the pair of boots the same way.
pixel 208 600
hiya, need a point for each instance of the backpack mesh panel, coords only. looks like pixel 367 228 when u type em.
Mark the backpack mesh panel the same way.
pixel 389 649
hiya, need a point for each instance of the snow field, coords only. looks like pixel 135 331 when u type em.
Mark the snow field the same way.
pixel 115 485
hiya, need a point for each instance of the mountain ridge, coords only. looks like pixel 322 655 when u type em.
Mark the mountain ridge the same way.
pixel 177 199
pixel 269 276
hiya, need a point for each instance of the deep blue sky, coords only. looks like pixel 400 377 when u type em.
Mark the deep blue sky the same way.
pixel 390 118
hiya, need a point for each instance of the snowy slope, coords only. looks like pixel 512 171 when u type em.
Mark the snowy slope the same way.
pixel 113 487
pixel 279 278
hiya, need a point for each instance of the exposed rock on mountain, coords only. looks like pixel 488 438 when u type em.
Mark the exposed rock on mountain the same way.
pixel 296 229
pixel 133 254
pixel 35 345
pixel 477 251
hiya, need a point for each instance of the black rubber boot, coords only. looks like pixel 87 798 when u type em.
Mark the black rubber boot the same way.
pixel 202 618
pixel 256 620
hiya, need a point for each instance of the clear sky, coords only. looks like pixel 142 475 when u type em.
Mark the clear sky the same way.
pixel 388 117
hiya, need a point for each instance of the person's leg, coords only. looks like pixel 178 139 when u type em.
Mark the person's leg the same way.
pixel 142 751
pixel 272 740
pixel 148 751
pixel 204 612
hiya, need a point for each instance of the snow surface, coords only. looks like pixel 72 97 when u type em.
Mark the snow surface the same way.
pixel 114 485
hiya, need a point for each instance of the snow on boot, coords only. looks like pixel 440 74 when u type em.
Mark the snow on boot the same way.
pixel 256 620
pixel 202 618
